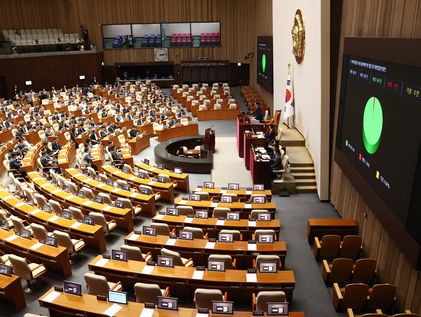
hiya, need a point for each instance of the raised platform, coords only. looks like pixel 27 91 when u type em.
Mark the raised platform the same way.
pixel 165 154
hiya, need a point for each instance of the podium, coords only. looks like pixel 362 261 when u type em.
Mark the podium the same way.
pixel 209 141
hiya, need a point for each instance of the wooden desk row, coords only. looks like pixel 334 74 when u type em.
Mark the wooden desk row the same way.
pixel 175 132
pixel 4 149
pixel 92 235
pixel 243 194
pixel 147 202
pixel 139 143
pixel 122 216
pixel 59 304
pixel 56 259
pixel 67 155
pixel 213 225
pixel 184 280
pixel 318 227
pixel 243 208
pixel 181 179
pixel 29 161
pixel 166 190
pixel 200 249
pixel 221 114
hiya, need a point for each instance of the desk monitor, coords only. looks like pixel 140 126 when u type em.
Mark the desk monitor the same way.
pixel 233 216
pixel 99 199
pixel 160 166
pixel 225 237
pixel 85 172
pixel 80 194
pixel 162 178
pixel 210 185
pixel 218 266
pixel 117 297
pixel 226 199
pixel 46 208
pixel 258 187
pixel 109 182
pixel 6 270
pixel 142 175
pixel 66 215
pixel 171 211
pixel 119 255
pixel 201 214
pixel 195 197
pixel 72 288
pixel 118 204
pixel 277 309
pixel 222 307
pixel 4 225
pixel 145 191
pixel 259 199
pixel 25 234
pixel 264 216
pixel 170 303
pixel 165 261
pixel 51 241
pixel 96 177
pixel 146 161
pixel 65 188
pixel 185 235
pixel 265 238
pixel 233 186
pixel 268 267
pixel 178 170
pixel 149 231
pixel 125 186
pixel 88 220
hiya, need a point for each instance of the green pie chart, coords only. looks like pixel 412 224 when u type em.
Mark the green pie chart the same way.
pixel 372 125
pixel 263 62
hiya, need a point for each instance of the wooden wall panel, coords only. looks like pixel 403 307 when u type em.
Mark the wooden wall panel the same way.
pixel 377 18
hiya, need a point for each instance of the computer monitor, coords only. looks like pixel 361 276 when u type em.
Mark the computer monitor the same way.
pixel 214 265
pixel 146 161
pixel 6 270
pixel 258 187
pixel 277 309
pixel 162 179
pixel 125 186
pixel 226 199
pixel 170 303
pixel 119 255
pixel 51 241
pixel 178 170
pixel 201 214
pixel 265 238
pixel 145 191
pixel 96 177
pixel 233 186
pixel 268 267
pixel 72 288
pixel 142 175
pixel 65 188
pixel 171 211
pixel 4 225
pixel 109 182
pixel 210 185
pixel 233 216
pixel 195 197
pixel 80 194
pixel 149 231
pixel 99 199
pixel 259 199
pixel 166 261
pixel 46 208
pixel 25 234
pixel 66 215
pixel 185 235
pixel 160 166
pixel 225 237
pixel 118 204
pixel 222 307
pixel 264 216
pixel 117 297
pixel 88 220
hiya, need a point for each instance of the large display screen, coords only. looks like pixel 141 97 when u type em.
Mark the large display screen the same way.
pixel 265 62
pixel 379 131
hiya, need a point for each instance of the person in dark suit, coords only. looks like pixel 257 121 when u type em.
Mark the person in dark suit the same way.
pixel 257 114
pixel 55 146
pixel 270 134
pixel 133 132
pixel 93 138
pixel 117 158
pixel 15 163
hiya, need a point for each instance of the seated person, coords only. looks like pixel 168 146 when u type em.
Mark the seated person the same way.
pixel 93 138
pixel 270 134
pixel 117 158
pixel 133 132
pixel 276 160
pixel 15 163
pixel 48 162
pixel 55 146
pixel 257 114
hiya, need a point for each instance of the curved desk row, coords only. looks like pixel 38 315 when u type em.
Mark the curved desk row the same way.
pixel 182 179
pixel 242 194
pixel 200 249
pixel 184 280
pixel 122 216
pixel 91 235
pixel 29 161
pixel 67 155
pixel 166 190
pixel 175 132
pixel 147 202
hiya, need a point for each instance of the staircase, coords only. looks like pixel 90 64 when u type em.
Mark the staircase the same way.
pixel 305 177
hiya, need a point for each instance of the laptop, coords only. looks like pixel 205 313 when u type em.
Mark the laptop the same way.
pixel 210 185
pixel 6 270
pixel 225 237
pixel 170 303
pixel 277 309
pixel 119 255
pixel 201 214
pixel 149 231
pixel 165 261
pixel 185 235
pixel 268 267
pixel 222 307
pixel 72 288
pixel 218 266
pixel 258 187
pixel 171 211
pixel 233 186
pixel 117 297
pixel 233 216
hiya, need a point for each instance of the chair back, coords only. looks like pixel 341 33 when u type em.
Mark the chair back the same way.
pixel 106 198
pixel 133 253
pixel 330 246
pixel 147 293
pixel 220 212
pixel 259 232
pixel 255 212
pixel 364 271
pixel 165 178
pixel 63 239
pixel 99 220
pixel 161 229
pixel 382 297
pixel 20 267
pixel 341 271
pixel 227 259
pixel 264 297
pixel 40 200
pixel 185 210
pixel 197 232
pixel 96 284
pixel 89 194
pixel 17 224
pixel 177 261
pixel 351 246
pixel 72 187
pixel 267 258
pixel 39 231
pixel 236 234
pixel 55 206
pixel 126 202
pixel 355 296
pixel 76 213
pixel 203 297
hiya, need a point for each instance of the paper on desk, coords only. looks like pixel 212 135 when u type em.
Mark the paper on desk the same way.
pixel 134 236
pixel 55 191
pixel 220 222
pixel 112 310
pixel 202 315
pixel 147 312
pixel 247 206
pixel 20 204
pixel 107 208
pixel 223 191
pixel 252 247
pixel 52 296
pixel 101 262
pixel 151 183
pixel 70 197
pixel 100 185
pixel 198 275
pixel 12 237
pixel 188 219
pixel 34 212
pixel 210 245
pixel 36 246
pixel 75 225
pixel 252 223
pixel 182 202
pixel 159 217
pixel 53 218
pixel 133 194
pixel 214 205
pixel 87 203
pixel 132 177
pixel 251 278
pixel 249 192
pixel 171 242
pixel 116 190
pixel 147 269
